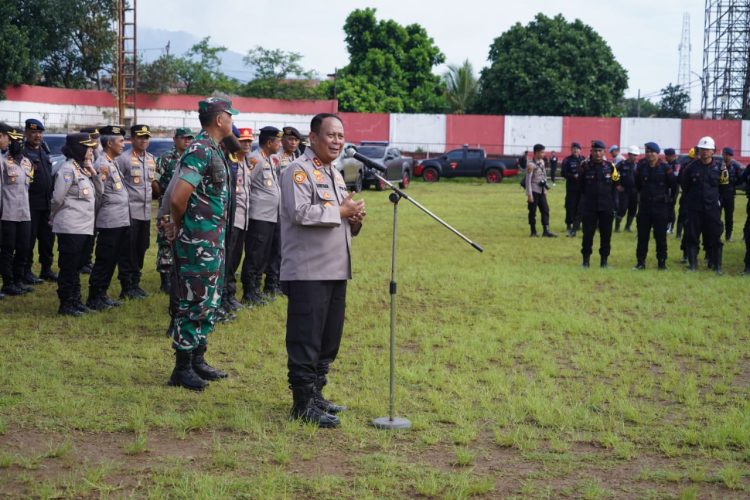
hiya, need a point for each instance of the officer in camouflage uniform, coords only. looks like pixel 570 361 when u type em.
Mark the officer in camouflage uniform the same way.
pixel 199 199
pixel 164 169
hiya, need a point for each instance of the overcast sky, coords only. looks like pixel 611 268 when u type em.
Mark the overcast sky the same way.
pixel 643 34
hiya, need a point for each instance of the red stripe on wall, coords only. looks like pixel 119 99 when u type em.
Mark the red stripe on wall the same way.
pixel 724 132
pixel 584 129
pixel 485 131
pixel 366 126
pixel 49 95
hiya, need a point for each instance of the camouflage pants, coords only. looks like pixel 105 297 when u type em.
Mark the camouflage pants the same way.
pixel 164 257
pixel 196 293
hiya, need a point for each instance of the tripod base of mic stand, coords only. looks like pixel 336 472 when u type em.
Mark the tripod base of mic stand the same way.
pixel 389 423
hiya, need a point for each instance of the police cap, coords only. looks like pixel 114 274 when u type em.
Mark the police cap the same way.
pixel 597 144
pixel 269 132
pixel 140 131
pixel 728 151
pixel 293 132
pixel 112 130
pixel 575 145
pixel 34 124
pixel 669 152
pixel 652 146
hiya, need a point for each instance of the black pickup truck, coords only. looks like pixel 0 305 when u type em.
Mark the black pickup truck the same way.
pixel 467 162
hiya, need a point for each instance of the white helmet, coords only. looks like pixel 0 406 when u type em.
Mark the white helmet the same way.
pixel 706 143
pixel 634 150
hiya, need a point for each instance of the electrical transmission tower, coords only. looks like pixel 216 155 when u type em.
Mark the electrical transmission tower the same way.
pixel 685 49
pixel 127 62
pixel 726 48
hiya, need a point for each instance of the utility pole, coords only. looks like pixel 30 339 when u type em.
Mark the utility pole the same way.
pixel 638 105
pixel 127 62
pixel 685 50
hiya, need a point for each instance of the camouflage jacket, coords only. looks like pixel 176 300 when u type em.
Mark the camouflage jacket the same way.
pixel 205 168
pixel 165 168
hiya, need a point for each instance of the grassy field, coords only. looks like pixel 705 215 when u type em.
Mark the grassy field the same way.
pixel 523 375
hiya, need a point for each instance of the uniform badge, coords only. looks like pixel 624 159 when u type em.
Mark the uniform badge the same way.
pixel 13 180
pixel 136 180
pixel 253 161
pixel 328 204
pixel 85 192
pixel 316 162
pixel 118 185
pixel 326 195
pixel 269 182
pixel 299 176
pixel 68 177
pixel 318 175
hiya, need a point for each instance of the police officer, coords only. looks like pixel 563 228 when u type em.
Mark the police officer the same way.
pixel 264 213
pixel 138 168
pixel 536 192
pixel 597 180
pixel 569 171
pixel 112 220
pixel 40 195
pixel 289 146
pixel 88 249
pixel 199 199
pixel 230 146
pixel 241 220
pixel 318 219
pixel 656 185
pixel 16 172
pixel 165 165
pixel 700 185
pixel 626 200
pixel 730 175
pixel 745 179
pixel 73 214
pixel 4 144
pixel 553 167
pixel 670 157
pixel 617 157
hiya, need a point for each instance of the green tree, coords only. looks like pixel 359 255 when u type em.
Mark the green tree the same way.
pixel 17 65
pixel 551 67
pixel 280 75
pixel 630 107
pixel 200 70
pixel 390 67
pixel 674 102
pixel 159 76
pixel 462 87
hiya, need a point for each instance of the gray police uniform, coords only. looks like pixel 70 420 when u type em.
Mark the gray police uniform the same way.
pixel 112 226
pixel 536 180
pixel 137 174
pixel 73 214
pixel 15 179
pixel 241 221
pixel 263 216
pixel 315 266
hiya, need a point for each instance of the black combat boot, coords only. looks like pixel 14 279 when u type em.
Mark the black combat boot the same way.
pixel 603 262
pixel 618 221
pixel 547 233
pixel 30 278
pixel 533 234
pixel 320 401
pixel 232 303
pixel 96 302
pixel 23 287
pixel 165 283
pixel 640 265
pixel 662 265
pixel 692 255
pixel 628 224
pixel 68 308
pixel 10 288
pixel 203 369
pixel 718 257
pixel 253 296
pixel 48 274
pixel 183 374
pixel 110 302
pixel 568 230
pixel 586 261
pixel 304 409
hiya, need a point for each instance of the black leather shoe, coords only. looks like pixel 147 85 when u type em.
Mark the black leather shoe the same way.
pixel 203 369
pixel 140 291
pixel 130 294
pixel 183 374
pixel 30 278
pixel 48 275
pixel 322 403
pixel 97 303
pixel 68 309
pixel 12 290
pixel 111 302
pixel 640 266
pixel 253 298
pixel 23 288
pixel 603 262
pixel 662 265
pixel 233 303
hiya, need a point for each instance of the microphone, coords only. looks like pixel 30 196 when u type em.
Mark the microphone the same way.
pixel 351 152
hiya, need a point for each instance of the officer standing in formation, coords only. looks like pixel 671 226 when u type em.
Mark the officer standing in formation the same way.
pixel 40 197
pixel 264 213
pixel 745 179
pixel 318 219
pixel 670 157
pixel 17 174
pixel 700 181
pixel 536 192
pixel 165 166
pixel 238 235
pixel 614 150
pixel 289 146
pixel 730 175
pixel 72 214
pixel 597 180
pixel 656 185
pixel 138 168
pixel 626 200
pixel 569 171
pixel 199 200
pixel 112 220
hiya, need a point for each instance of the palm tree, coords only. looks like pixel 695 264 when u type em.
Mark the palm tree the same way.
pixel 462 87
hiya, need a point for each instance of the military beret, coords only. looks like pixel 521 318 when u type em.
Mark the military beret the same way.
pixel 575 145
pixel 669 151
pixel 270 132
pixel 80 138
pixel 597 144
pixel 34 124
pixel 140 131
pixel 216 104
pixel 728 151
pixel 538 147
pixel 614 147
pixel 246 134
pixel 292 131
pixel 652 146
pixel 112 130
pixel 183 132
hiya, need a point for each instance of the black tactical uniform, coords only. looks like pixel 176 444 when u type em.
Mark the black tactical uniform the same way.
pixel 569 171
pixel 700 185
pixel 656 187
pixel 745 179
pixel 728 180
pixel 627 198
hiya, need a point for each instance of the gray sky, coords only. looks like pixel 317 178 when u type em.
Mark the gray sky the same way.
pixel 643 34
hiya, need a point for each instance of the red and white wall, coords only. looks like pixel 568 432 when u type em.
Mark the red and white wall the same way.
pixel 430 133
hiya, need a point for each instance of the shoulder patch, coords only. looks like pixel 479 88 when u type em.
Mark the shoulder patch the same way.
pixel 299 176
pixel 253 161
pixel 530 169
pixel 316 162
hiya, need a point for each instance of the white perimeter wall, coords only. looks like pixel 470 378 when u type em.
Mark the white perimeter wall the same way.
pixel 666 132
pixel 522 132
pixel 409 132
pixel 745 139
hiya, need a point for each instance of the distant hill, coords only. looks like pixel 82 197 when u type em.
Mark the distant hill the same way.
pixel 152 43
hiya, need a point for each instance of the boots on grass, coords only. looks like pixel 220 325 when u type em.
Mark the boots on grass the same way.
pixel 303 408
pixel 321 402
pixel 183 374
pixel 203 369
pixel 547 233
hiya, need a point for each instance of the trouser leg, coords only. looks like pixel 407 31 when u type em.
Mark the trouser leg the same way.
pixel 532 206
pixel 590 221
pixel 333 328
pixel 107 253
pixel 659 223
pixel 234 256
pixel 728 205
pixel 7 250
pixel 543 208
pixel 274 262
pixel 605 233
pixel 257 247
pixel 643 223
pixel 70 247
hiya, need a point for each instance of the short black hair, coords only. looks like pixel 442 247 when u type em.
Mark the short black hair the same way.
pixel 317 121
pixel 265 139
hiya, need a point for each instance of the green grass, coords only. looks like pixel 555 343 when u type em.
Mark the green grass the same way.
pixel 522 374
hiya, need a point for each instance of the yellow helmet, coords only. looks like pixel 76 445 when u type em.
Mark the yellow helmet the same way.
pixel 691 153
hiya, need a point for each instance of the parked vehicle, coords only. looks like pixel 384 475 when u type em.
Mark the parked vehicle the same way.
pixel 357 177
pixel 467 162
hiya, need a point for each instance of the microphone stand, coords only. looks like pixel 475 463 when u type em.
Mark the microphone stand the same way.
pixel 391 421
